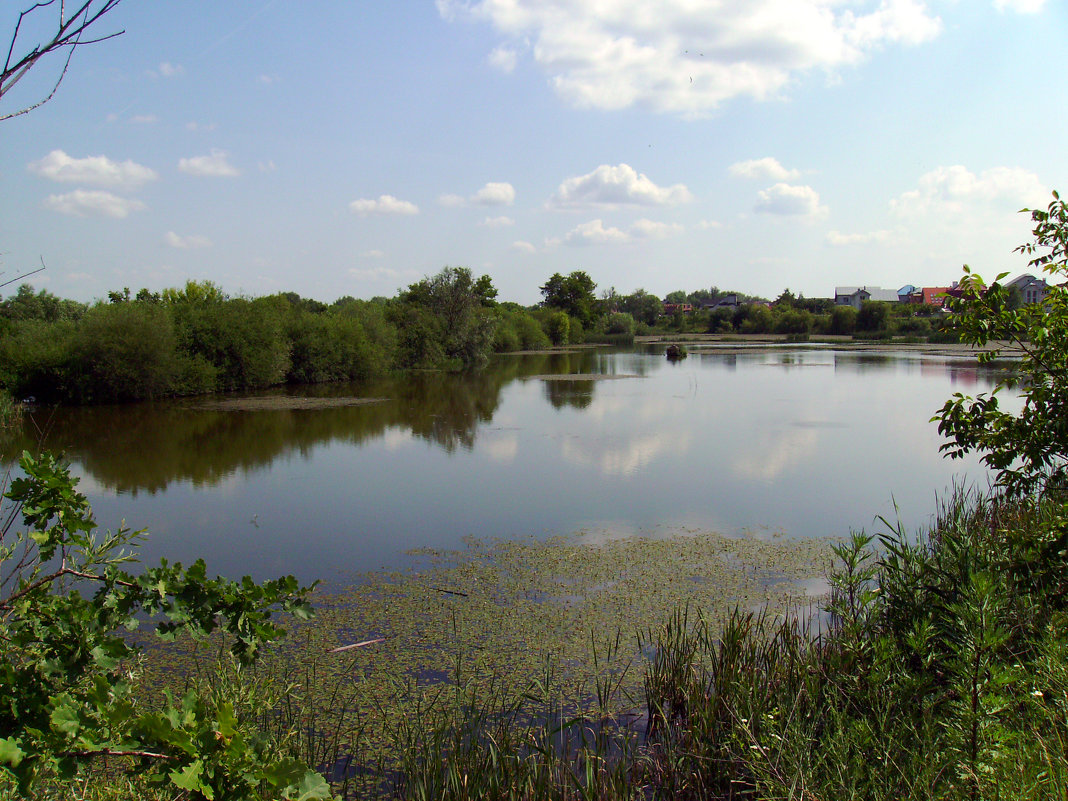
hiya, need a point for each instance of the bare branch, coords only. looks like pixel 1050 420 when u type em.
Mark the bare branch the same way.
pixel 69 35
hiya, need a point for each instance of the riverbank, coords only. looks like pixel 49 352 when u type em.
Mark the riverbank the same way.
pixel 724 342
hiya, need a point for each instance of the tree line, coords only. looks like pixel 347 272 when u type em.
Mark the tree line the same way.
pixel 198 339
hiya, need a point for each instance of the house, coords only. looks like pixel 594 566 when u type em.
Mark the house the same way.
pixel 934 295
pixel 856 295
pixel 672 308
pixel 1031 289
pixel 728 301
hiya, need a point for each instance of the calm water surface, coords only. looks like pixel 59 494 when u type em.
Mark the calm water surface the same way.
pixel 803 441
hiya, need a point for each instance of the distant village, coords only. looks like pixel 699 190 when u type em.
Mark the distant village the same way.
pixel 1027 287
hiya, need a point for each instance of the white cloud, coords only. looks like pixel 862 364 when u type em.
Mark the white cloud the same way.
pixel 688 57
pixel 497 222
pixel 267 80
pixel 766 168
pixel 708 225
pixel 649 229
pixel 190 242
pixel 144 119
pixel 621 185
pixel 838 239
pixel 385 204
pixel 98 170
pixel 950 190
pixel 380 273
pixel 200 126
pixel 372 254
pixel 215 165
pixel 524 247
pixel 789 200
pixel 494 194
pixel 266 166
pixel 93 203
pixel 1020 6
pixel 168 70
pixel 503 58
pixel 594 233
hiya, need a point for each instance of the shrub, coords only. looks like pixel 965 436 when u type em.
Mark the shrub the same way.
pixel 68 679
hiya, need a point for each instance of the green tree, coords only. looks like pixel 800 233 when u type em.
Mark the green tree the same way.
pixel 1028 448
pixel 642 306
pixel 872 316
pixel 456 299
pixel 843 320
pixel 573 294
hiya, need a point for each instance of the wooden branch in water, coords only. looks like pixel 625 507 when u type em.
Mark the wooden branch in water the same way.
pixel 356 645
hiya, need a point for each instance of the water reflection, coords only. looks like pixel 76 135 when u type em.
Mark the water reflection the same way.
pixel 742 439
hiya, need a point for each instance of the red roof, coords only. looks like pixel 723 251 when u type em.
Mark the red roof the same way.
pixel 934 295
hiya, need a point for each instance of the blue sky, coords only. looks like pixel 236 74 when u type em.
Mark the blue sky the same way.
pixel 350 148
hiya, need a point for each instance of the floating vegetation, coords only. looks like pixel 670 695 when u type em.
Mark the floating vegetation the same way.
pixel 675 352
pixel 565 615
pixel 283 402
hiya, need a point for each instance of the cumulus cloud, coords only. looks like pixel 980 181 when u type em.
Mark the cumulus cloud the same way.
pixel 765 168
pixel 950 190
pixel 494 194
pixel 216 165
pixel 497 222
pixel 189 242
pixel 595 233
pixel 503 58
pixel 686 57
pixel 649 229
pixel 384 204
pixel 93 203
pixel 523 247
pixel 609 187
pixel 838 239
pixel 372 254
pixel 789 200
pixel 708 225
pixel 98 170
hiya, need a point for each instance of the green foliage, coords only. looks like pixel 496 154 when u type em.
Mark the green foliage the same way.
pixel 456 300
pixel 68 694
pixel 619 323
pixel 873 316
pixel 1029 448
pixel 123 352
pixel 573 294
pixel 642 306
pixel 558 328
pixel 754 318
pixel 843 320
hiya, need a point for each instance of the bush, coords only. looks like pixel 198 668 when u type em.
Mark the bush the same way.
pixel 124 351
pixel 558 328
pixel 843 320
pixel 68 679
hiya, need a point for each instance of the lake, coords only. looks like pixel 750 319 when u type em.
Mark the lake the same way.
pixel 799 441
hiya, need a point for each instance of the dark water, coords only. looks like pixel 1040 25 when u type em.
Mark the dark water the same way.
pixel 805 441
